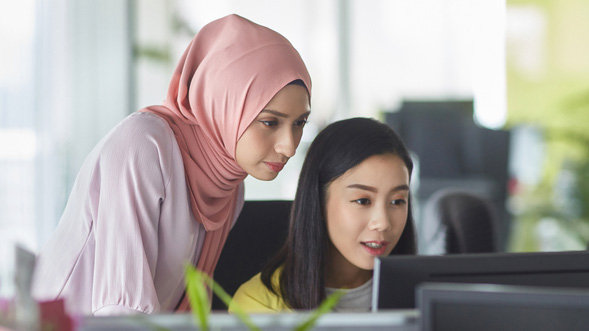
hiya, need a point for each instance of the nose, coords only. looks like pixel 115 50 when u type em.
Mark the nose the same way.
pixel 380 221
pixel 287 143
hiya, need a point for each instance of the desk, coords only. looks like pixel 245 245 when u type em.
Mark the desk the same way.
pixel 396 320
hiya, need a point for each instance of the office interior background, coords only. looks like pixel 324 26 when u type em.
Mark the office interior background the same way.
pixel 491 96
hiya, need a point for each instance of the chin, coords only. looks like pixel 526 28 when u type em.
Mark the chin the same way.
pixel 365 265
pixel 368 267
pixel 265 177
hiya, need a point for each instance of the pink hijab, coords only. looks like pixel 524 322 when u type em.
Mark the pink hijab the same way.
pixel 226 76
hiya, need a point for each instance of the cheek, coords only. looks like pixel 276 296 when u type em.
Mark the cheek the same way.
pixel 298 137
pixel 241 149
pixel 399 223
pixel 345 223
pixel 334 219
pixel 400 216
pixel 249 145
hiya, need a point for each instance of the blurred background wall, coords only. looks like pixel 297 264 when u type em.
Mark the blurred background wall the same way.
pixel 491 96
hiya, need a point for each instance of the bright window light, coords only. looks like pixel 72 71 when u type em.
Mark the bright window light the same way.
pixel 17 144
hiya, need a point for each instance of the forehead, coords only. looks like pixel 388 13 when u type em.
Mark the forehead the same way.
pixel 381 171
pixel 290 96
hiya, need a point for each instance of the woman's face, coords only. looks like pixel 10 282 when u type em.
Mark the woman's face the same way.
pixel 274 135
pixel 366 211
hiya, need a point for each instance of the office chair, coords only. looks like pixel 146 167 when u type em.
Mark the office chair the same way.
pixel 259 232
pixel 458 221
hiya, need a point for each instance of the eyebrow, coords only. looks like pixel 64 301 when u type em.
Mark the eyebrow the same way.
pixel 373 189
pixel 279 114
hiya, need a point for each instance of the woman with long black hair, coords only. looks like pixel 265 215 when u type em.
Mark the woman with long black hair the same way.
pixel 352 205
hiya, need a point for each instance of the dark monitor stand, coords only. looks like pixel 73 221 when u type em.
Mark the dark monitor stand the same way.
pixel 449 307
pixel 397 277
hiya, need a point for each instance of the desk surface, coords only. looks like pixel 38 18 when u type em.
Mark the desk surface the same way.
pixel 397 320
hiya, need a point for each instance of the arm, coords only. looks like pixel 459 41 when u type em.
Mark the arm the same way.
pixel 127 188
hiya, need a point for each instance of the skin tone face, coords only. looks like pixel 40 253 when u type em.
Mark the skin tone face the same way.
pixel 273 137
pixel 366 211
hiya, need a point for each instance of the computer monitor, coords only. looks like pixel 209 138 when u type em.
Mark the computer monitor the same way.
pixel 445 307
pixel 396 277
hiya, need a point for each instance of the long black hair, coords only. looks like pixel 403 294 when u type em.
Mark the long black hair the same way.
pixel 336 149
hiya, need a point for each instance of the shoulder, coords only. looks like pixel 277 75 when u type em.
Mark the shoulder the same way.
pixel 142 146
pixel 141 137
pixel 254 297
pixel 141 129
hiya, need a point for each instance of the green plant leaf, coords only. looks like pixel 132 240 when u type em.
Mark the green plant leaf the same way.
pixel 196 282
pixel 226 298
pixel 197 296
pixel 325 307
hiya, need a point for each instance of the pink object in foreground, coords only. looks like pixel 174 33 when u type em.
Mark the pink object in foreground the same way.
pixel 54 316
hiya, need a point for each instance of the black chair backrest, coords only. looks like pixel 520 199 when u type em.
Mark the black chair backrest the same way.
pixel 458 221
pixel 471 223
pixel 257 235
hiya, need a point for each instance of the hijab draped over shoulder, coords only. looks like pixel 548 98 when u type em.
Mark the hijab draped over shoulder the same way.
pixel 226 76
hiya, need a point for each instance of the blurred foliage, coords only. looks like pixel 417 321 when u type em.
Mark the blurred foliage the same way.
pixel 162 52
pixel 582 188
pixel 153 52
pixel 554 96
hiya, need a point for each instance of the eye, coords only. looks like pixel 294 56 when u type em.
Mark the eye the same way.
pixel 269 123
pixel 362 202
pixel 300 123
pixel 398 202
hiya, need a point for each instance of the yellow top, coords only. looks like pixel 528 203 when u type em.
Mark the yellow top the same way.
pixel 254 297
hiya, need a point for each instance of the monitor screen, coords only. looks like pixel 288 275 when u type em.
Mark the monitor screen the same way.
pixel 445 307
pixel 396 277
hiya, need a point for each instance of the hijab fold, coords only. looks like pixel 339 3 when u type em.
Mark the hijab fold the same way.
pixel 226 76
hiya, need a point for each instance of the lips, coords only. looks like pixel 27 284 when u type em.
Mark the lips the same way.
pixel 275 166
pixel 375 247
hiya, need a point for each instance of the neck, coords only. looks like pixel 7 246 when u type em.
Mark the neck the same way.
pixel 342 274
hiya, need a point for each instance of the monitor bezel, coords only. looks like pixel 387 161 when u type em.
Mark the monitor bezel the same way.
pixel 432 296
pixel 405 273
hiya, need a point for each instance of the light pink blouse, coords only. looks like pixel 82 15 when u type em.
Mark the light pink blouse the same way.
pixel 128 229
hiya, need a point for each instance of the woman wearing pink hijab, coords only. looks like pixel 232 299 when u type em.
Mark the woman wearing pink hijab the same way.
pixel 165 186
